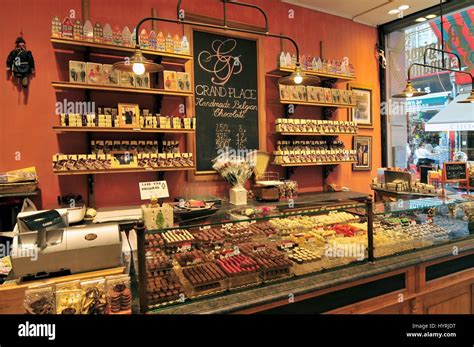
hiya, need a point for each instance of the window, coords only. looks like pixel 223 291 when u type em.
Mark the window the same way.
pixel 433 128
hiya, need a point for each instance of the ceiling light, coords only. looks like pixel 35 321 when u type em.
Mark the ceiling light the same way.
pixel 394 11
pixel 431 16
pixel 421 19
pixel 404 7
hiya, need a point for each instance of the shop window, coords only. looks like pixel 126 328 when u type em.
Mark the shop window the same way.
pixel 433 128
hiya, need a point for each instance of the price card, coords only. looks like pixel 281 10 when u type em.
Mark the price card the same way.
pixel 153 190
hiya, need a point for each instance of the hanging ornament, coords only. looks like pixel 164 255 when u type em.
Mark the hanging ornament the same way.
pixel 21 63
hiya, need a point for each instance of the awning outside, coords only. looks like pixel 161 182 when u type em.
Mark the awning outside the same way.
pixel 454 117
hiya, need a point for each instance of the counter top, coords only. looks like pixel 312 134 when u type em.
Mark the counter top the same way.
pixel 266 294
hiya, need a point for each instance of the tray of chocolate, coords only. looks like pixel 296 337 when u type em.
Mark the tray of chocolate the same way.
pixel 242 270
pixel 262 229
pixel 164 290
pixel 158 263
pixel 302 255
pixel 191 258
pixel 273 264
pixel 153 241
pixel 177 237
pixel 210 237
pixel 237 233
pixel 204 279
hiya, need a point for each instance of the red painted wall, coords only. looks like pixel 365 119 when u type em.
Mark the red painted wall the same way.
pixel 26 120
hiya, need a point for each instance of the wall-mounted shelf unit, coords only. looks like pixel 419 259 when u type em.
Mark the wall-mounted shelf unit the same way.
pixel 314 164
pixel 128 170
pixel 109 49
pixel 98 87
pixel 315 104
pixel 122 130
pixel 312 134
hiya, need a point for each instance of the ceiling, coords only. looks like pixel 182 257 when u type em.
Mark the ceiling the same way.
pixel 370 12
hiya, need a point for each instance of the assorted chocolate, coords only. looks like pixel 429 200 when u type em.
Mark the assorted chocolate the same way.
pixel 39 300
pixel 177 236
pixel 94 296
pixel 205 276
pixel 237 265
pixel 287 125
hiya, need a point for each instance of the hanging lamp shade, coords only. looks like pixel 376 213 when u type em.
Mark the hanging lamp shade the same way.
pixel 469 100
pixel 138 64
pixel 299 78
pixel 409 92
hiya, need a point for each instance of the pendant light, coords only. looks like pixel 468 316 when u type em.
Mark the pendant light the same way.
pixel 469 100
pixel 138 64
pixel 298 77
pixel 409 92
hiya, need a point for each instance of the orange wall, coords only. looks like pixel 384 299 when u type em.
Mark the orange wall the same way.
pixel 26 120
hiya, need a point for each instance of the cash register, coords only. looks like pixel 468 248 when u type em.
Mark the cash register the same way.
pixel 45 245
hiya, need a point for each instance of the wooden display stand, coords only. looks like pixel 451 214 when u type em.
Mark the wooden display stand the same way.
pixel 12 295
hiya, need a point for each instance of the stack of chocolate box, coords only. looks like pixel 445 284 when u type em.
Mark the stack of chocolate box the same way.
pixel 163 284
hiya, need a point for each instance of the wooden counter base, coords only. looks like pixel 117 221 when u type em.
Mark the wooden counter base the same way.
pixel 12 295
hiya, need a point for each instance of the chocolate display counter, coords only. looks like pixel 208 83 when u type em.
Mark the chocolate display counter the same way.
pixel 316 254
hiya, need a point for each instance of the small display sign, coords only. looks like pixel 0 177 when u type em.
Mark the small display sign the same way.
pixel 153 190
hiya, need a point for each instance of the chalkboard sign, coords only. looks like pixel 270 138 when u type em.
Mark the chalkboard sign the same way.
pixel 226 96
pixel 455 171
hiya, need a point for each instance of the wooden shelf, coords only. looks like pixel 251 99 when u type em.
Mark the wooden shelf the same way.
pixel 151 91
pixel 285 71
pixel 312 134
pixel 122 130
pixel 128 170
pixel 316 104
pixel 313 164
pixel 109 49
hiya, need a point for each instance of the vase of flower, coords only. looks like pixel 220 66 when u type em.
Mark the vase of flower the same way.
pixel 236 170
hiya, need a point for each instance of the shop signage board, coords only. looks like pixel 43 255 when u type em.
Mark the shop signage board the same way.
pixel 226 96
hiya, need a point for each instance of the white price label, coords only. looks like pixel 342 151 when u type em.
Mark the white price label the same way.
pixel 153 190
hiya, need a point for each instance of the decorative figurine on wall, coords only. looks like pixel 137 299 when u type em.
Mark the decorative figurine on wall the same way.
pixel 21 63
pixel 152 40
pixel 77 30
pixel 169 43
pixel 126 37
pixel 98 33
pixel 88 31
pixel 67 28
pixel 107 34
pixel 117 36
pixel 184 45
pixel 143 39
pixel 160 42
pixel 176 44
pixel 56 30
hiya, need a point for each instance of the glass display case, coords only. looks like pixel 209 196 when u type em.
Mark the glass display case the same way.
pixel 408 225
pixel 255 245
